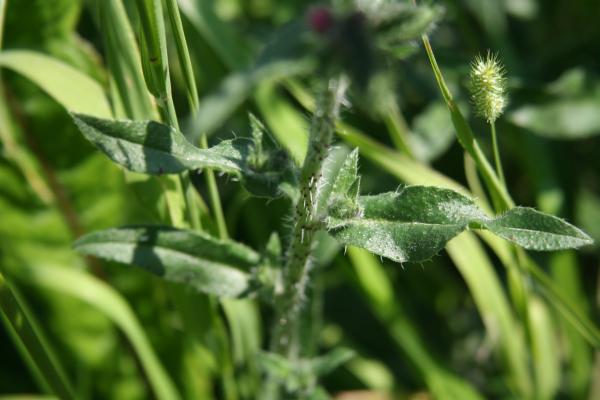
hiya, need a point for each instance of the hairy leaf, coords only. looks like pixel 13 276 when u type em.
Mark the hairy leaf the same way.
pixel 154 148
pixel 416 222
pixel 410 225
pixel 535 230
pixel 207 264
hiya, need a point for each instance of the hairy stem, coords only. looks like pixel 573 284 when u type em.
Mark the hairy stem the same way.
pixel 290 303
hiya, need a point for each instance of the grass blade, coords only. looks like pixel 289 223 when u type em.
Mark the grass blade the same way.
pixel 99 295
pixel 372 281
pixel 31 342
pixel 71 88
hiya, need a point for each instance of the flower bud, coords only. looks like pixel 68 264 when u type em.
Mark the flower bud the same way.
pixel 487 83
pixel 320 19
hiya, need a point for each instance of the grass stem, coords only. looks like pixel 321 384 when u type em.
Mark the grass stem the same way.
pixel 497 160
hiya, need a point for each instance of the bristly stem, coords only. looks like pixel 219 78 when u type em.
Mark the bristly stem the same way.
pixel 291 301
pixel 497 160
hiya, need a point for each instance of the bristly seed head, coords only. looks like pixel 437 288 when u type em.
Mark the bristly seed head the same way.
pixel 487 83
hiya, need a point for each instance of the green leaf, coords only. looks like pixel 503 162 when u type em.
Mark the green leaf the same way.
pixel 569 109
pixel 416 222
pixel 72 89
pixel 410 225
pixel 327 363
pixel 346 182
pixel 432 132
pixel 154 148
pixel 574 118
pixel 396 23
pixel 206 264
pixel 535 230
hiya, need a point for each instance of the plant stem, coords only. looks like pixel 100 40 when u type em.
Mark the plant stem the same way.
pixel 399 131
pixel 500 197
pixel 497 160
pixel 291 302
pixel 192 94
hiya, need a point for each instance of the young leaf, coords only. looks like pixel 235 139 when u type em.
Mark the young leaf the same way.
pixel 327 363
pixel 410 225
pixel 347 177
pixel 154 148
pixel 206 264
pixel 534 230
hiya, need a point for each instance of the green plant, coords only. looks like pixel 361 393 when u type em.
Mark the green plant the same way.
pixel 340 53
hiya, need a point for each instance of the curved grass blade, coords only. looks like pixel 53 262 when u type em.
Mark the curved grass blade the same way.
pixel 196 259
pixel 31 342
pixel 68 86
pixel 372 281
pixel 110 303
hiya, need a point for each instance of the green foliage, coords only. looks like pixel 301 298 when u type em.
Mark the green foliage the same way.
pixel 61 81
pixel 416 222
pixel 154 148
pixel 272 251
pixel 195 259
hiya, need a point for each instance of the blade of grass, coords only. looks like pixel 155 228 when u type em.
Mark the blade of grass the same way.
pixel 102 297
pixel 372 281
pixel 68 86
pixel 192 94
pixel 31 342
pixel 546 360
pixel 123 59
pixel 397 127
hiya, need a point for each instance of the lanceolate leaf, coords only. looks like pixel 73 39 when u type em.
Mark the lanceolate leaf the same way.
pixel 535 230
pixel 154 148
pixel 207 264
pixel 416 222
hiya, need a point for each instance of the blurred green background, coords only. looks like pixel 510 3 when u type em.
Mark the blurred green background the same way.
pixel 415 328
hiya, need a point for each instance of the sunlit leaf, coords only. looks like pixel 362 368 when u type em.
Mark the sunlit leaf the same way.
pixel 71 88
pixel 535 230
pixel 200 261
pixel 154 148
pixel 416 222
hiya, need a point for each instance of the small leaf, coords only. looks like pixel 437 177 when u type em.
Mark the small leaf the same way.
pixel 534 230
pixel 343 198
pixel 327 363
pixel 410 225
pixel 154 148
pixel 347 175
pixel 274 364
pixel 206 264
pixel 397 23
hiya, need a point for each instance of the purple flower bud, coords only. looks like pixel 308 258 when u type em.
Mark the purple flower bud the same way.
pixel 320 19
